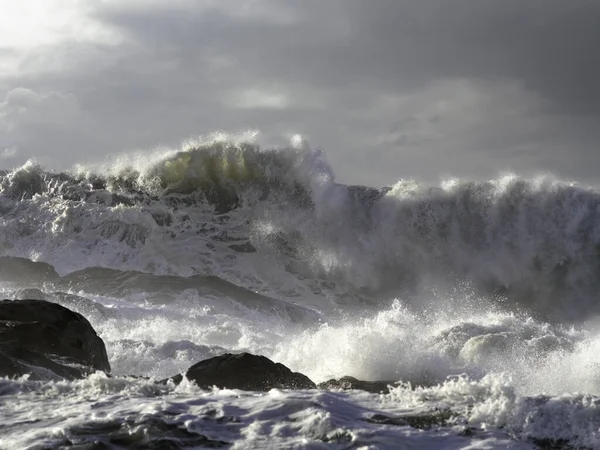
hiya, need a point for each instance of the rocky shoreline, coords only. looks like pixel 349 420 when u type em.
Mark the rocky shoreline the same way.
pixel 47 341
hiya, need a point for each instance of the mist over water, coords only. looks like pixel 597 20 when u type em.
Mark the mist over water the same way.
pixel 484 294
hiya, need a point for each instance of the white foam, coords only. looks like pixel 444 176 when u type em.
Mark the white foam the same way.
pixel 276 419
pixel 343 255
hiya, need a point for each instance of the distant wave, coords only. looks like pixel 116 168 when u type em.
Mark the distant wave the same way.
pixel 534 243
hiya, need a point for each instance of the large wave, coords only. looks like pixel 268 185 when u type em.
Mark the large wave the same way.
pixel 275 221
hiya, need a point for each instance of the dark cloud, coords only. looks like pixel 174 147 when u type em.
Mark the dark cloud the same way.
pixel 389 88
pixel 549 45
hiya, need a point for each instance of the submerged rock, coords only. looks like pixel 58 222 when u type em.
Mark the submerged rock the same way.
pixel 349 383
pixel 246 372
pixel 422 421
pixel 47 341
pixel 246 247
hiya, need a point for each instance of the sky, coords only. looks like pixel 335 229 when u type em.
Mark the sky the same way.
pixel 388 89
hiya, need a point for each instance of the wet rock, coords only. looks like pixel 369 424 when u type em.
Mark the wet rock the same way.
pixel 25 271
pixel 47 341
pixel 349 383
pixel 423 421
pixel 243 248
pixel 246 372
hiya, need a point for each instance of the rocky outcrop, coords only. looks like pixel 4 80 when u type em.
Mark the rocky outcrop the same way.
pixel 349 383
pixel 47 341
pixel 25 271
pixel 246 372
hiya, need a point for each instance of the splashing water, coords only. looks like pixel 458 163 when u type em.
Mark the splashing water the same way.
pixel 482 294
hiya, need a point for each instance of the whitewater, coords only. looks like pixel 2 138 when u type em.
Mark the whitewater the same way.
pixel 477 302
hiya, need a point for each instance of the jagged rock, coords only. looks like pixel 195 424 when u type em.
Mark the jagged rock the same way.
pixel 47 341
pixel 245 371
pixel 348 383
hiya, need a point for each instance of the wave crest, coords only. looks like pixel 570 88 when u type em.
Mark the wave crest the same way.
pixel 220 173
pixel 533 242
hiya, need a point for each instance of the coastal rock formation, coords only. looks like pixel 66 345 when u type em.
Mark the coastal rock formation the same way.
pixel 47 341
pixel 349 383
pixel 245 371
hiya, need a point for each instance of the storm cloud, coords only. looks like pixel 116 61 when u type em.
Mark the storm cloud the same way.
pixel 388 88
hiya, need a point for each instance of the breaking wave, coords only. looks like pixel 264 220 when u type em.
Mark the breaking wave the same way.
pixel 220 207
pixel 483 295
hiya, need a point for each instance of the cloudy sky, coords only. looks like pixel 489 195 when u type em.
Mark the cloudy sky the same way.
pixel 388 89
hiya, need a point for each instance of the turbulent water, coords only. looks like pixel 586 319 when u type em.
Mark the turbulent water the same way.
pixel 479 298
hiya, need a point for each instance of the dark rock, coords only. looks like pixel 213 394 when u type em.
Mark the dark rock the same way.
pixel 349 383
pixel 423 421
pixel 245 371
pixel 247 247
pixel 47 341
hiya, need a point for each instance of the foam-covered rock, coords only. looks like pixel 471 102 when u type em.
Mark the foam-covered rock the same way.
pixel 48 341
pixel 246 372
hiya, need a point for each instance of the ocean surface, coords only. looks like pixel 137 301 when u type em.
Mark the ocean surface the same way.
pixel 478 300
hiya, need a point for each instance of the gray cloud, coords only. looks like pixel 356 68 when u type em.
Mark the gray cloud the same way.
pixel 388 88
pixel 549 45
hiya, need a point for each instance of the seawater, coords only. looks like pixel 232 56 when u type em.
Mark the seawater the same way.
pixel 478 301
